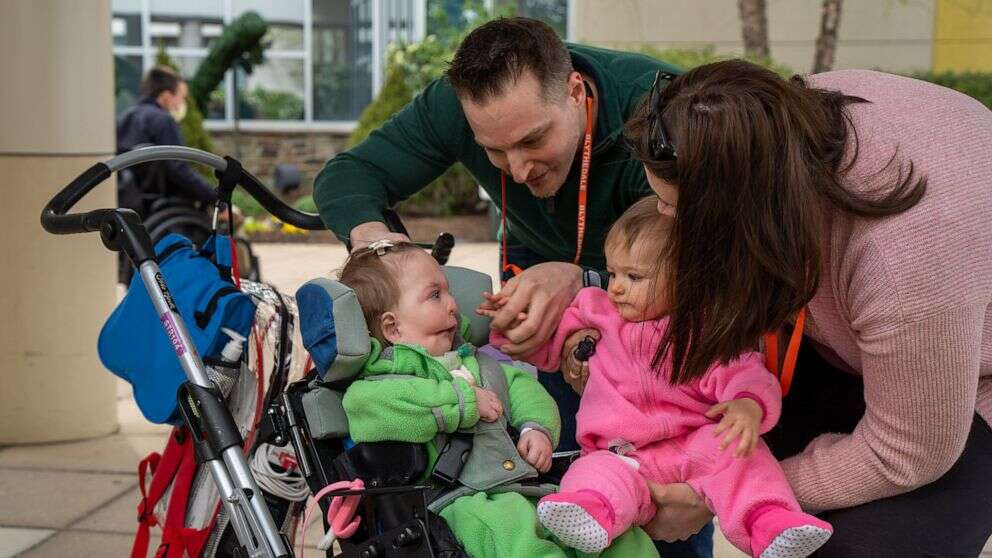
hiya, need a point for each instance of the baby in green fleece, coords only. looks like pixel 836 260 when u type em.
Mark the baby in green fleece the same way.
pixel 422 380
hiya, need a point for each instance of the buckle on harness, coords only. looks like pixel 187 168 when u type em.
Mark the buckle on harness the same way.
pixel 451 459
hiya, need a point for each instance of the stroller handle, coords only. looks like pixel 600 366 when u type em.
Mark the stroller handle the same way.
pixel 56 219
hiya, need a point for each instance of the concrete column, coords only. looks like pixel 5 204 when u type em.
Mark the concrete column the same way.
pixel 56 119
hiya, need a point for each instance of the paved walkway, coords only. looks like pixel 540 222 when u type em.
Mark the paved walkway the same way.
pixel 79 498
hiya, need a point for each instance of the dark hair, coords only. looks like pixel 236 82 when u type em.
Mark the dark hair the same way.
pixel 373 278
pixel 159 79
pixel 497 53
pixel 757 156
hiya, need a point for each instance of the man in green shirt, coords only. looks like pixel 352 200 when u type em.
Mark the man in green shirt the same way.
pixel 513 106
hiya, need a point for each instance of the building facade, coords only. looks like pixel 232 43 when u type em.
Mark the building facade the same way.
pixel 325 60
pixel 323 65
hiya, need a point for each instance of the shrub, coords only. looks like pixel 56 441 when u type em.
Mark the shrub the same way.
pixel 306 204
pixel 410 68
pixel 248 205
pixel 275 105
pixel 974 84
pixel 688 59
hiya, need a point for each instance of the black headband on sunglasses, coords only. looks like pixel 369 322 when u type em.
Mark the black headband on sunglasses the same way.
pixel 661 148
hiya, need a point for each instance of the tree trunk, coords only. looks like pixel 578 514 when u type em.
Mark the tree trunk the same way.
pixel 826 43
pixel 754 28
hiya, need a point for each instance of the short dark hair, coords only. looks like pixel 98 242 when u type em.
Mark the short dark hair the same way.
pixel 497 54
pixel 159 79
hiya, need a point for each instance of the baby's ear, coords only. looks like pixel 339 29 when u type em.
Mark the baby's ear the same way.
pixel 390 327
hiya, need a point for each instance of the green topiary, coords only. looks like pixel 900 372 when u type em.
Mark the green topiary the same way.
pixel 240 44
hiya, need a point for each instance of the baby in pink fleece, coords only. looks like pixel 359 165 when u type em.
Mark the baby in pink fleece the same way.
pixel 634 425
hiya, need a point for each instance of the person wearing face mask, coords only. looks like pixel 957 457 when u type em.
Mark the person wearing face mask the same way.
pixel 154 121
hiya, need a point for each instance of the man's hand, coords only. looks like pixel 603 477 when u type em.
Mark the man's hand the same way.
pixel 576 373
pixel 681 512
pixel 367 233
pixel 488 403
pixel 741 418
pixel 535 447
pixel 532 304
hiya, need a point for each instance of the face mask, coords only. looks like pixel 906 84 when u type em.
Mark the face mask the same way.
pixel 179 112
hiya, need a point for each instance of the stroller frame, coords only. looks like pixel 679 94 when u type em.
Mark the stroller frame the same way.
pixel 218 442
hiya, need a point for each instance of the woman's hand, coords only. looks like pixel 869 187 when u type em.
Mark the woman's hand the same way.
pixel 528 308
pixel 575 372
pixel 681 512
pixel 741 419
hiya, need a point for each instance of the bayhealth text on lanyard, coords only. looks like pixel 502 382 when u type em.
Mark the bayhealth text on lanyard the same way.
pixel 580 227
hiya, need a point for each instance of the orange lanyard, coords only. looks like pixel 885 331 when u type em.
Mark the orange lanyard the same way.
pixel 791 353
pixel 580 227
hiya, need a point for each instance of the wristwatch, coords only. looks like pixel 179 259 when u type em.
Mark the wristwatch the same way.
pixel 592 278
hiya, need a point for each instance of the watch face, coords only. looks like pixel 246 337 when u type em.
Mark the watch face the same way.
pixel 590 278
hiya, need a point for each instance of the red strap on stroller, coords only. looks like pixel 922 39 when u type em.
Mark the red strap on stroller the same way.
pixel 176 466
pixel 176 538
pixel 163 468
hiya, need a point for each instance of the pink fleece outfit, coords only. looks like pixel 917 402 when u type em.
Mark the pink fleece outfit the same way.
pixel 628 409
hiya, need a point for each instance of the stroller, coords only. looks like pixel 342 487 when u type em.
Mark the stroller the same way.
pixel 163 212
pixel 396 509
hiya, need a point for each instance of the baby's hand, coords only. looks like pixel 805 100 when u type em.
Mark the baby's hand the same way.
pixel 741 417
pixel 492 305
pixel 489 405
pixel 535 447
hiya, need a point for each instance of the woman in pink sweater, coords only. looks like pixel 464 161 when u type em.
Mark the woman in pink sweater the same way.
pixel 866 199
pixel 636 423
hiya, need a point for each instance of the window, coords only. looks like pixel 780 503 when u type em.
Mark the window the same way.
pixel 319 62
pixel 552 12
pixel 341 55
pixel 324 61
pixel 457 13
pixel 275 89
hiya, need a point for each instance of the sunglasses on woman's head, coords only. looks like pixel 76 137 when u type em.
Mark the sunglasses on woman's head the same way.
pixel 661 148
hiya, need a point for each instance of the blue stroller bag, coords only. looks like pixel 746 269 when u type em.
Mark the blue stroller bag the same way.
pixel 133 344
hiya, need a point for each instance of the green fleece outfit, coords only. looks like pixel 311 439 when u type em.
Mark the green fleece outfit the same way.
pixel 428 401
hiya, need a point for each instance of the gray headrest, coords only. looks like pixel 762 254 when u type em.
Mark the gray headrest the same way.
pixel 335 333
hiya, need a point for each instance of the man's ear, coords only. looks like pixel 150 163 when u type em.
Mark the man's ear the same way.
pixel 390 327
pixel 576 89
